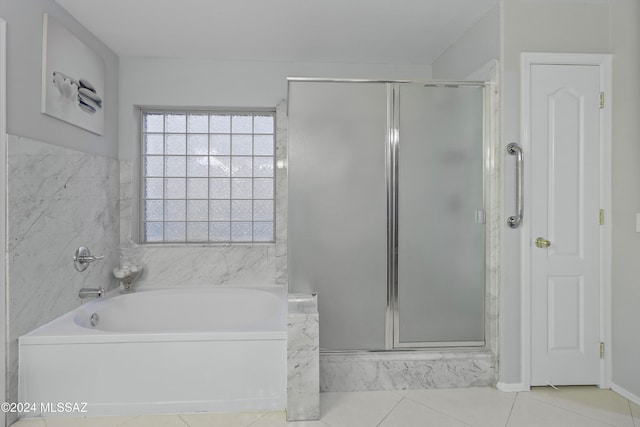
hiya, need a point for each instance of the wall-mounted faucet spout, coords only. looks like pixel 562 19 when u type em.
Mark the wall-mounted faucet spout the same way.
pixel 91 292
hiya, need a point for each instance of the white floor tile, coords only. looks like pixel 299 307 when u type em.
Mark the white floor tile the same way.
pixel 635 412
pixel 29 423
pixel 602 405
pixel 154 421
pixel 240 419
pixel 357 409
pixel 482 406
pixel 308 424
pixel 88 422
pixel 412 414
pixel 476 407
pixel 279 419
pixel 272 419
pixel 530 412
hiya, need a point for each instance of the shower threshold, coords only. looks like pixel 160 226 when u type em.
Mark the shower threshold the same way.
pixel 407 369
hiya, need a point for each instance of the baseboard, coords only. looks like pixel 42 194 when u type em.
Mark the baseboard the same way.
pixel 625 393
pixel 511 387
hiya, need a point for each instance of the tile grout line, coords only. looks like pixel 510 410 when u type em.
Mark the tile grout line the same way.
pixel 633 419
pixel 391 410
pixel 135 417
pixel 571 411
pixel 183 420
pixel 438 411
pixel 320 420
pixel 506 424
pixel 323 422
pixel 264 414
pixel 259 418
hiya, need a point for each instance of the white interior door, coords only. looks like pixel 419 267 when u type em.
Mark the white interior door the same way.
pixel 565 236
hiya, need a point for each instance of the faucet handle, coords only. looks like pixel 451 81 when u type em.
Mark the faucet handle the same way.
pixel 83 257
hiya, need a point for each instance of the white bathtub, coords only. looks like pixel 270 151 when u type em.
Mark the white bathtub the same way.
pixel 215 348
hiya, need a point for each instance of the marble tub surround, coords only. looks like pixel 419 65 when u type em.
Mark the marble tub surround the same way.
pixel 301 304
pixel 281 193
pixel 303 380
pixel 495 221
pixel 58 200
pixel 126 198
pixel 194 265
pixel 408 370
pixel 169 265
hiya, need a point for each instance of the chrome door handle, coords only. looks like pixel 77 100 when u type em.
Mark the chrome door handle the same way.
pixel 543 243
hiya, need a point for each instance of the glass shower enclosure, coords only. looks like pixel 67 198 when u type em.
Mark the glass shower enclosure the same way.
pixel 386 217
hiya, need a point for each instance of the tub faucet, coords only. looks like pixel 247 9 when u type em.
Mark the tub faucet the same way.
pixel 91 292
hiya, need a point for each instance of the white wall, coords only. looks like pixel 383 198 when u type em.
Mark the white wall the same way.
pixel 24 74
pixel 534 26
pixel 472 50
pixel 625 31
pixel 208 83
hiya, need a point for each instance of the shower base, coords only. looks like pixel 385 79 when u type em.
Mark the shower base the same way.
pixel 406 370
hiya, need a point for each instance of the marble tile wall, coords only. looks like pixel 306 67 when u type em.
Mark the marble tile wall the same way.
pixel 303 377
pixel 58 200
pixel 215 264
pixel 495 219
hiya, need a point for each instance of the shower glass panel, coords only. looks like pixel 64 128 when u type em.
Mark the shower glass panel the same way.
pixel 337 208
pixel 386 211
pixel 440 226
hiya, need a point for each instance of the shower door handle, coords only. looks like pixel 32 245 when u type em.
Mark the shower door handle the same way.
pixel 516 220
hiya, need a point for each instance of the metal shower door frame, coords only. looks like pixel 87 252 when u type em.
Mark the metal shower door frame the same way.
pixel 393 141
pixel 392 145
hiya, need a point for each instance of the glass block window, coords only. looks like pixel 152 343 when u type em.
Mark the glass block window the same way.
pixel 207 176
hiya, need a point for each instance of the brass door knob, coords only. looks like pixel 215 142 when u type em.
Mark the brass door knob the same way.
pixel 541 242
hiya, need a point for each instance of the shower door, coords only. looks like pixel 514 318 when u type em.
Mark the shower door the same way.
pixel 440 286
pixel 386 215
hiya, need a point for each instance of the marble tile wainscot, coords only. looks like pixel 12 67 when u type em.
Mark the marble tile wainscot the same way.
pixel 410 370
pixel 303 376
pixel 58 200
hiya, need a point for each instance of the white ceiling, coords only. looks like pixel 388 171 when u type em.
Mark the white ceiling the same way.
pixel 353 31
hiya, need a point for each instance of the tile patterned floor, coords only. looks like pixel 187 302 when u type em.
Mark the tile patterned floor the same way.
pixel 476 407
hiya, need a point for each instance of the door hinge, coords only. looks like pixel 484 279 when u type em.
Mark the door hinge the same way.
pixel 601 99
pixel 601 217
pixel 601 350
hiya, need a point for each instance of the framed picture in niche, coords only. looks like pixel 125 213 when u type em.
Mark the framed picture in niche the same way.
pixel 72 78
